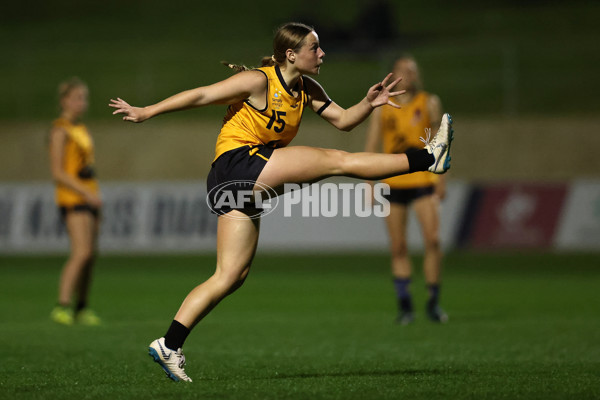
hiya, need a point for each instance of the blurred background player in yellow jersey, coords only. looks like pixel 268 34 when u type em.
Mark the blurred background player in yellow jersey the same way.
pixel 265 107
pixel 400 131
pixel 77 196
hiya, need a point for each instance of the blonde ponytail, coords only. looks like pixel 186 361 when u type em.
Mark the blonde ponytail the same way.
pixel 235 67
pixel 268 61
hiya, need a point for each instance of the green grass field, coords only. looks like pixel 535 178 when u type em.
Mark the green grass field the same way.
pixel 310 327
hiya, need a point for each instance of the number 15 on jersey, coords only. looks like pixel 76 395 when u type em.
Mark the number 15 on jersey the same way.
pixel 277 117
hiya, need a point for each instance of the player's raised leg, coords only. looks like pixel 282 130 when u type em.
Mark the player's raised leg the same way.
pixel 300 164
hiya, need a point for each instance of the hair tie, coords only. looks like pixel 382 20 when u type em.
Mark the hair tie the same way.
pixel 273 58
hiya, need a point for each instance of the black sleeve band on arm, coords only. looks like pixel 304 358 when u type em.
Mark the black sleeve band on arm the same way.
pixel 324 106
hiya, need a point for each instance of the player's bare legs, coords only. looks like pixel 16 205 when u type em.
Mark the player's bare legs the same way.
pixel 396 224
pixel 401 265
pixel 427 211
pixel 236 245
pixel 76 274
pixel 82 287
pixel 80 226
pixel 237 238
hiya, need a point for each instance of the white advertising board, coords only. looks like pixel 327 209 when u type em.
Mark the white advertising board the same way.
pixel 579 227
pixel 174 217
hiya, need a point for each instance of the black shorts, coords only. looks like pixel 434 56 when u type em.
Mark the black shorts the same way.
pixel 407 196
pixel 64 210
pixel 233 172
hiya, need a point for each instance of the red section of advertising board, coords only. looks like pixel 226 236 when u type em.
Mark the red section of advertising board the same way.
pixel 518 216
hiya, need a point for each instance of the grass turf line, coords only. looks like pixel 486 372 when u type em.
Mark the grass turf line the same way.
pixel 319 327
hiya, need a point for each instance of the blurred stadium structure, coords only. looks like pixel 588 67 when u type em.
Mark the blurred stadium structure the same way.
pixel 520 80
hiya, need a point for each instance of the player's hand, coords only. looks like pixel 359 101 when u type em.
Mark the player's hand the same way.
pixel 93 200
pixel 381 93
pixel 132 114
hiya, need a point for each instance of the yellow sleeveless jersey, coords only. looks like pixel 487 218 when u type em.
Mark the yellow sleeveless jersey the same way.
pixel 275 125
pixel 401 129
pixel 78 161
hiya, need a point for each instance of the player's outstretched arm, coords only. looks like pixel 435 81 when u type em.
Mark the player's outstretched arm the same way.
pixel 346 119
pixel 245 85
